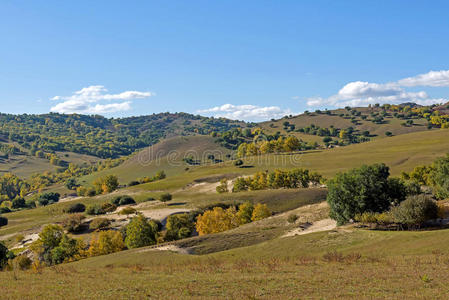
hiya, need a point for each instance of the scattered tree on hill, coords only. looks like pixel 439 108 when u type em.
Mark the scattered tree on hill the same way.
pixel 3 255
pixel 260 212
pixel 107 184
pixel 71 184
pixel 48 198
pixel 366 189
pixel 245 213
pixel 106 242
pixel 140 232
pixel 165 197
pixel 217 220
pixel 179 226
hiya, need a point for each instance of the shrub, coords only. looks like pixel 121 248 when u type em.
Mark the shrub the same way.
pixel 18 203
pixel 3 221
pixel 48 198
pixel 140 232
pixel 165 197
pixel 292 218
pixel 415 211
pixel 443 211
pixel 71 184
pixel 99 224
pixel 149 199
pixel 5 210
pixel 123 200
pixel 440 177
pixel 238 162
pixel 95 210
pixel 108 207
pixel 73 223
pixel 365 189
pixel 133 183
pixel 260 212
pixel 223 187
pixel 75 208
pixel 30 203
pixel 22 262
pixel 127 211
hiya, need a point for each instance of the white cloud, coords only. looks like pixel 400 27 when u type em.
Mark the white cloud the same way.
pixel 432 78
pixel 87 101
pixel 361 93
pixel 247 112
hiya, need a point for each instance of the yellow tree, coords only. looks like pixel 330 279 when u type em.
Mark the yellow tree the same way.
pixel 217 220
pixel 106 242
pixel 260 212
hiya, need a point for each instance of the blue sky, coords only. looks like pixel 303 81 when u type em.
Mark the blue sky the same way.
pixel 241 59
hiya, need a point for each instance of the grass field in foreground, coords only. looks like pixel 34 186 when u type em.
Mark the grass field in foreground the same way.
pixel 411 265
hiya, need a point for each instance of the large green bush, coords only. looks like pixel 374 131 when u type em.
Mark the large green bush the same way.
pixel 365 189
pixel 179 226
pixel 440 177
pixel 140 232
pixel 415 211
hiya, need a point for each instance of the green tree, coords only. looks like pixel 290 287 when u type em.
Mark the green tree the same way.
pixel 140 232
pixel 365 189
pixel 245 212
pixel 415 210
pixel 440 177
pixel 179 226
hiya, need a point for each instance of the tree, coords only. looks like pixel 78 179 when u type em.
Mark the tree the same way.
pixel 75 208
pixel 365 189
pixel 18 203
pixel 106 184
pixel 179 226
pixel 106 242
pixel 3 221
pixel 140 232
pixel 71 184
pixel 217 220
pixel 48 198
pixel 245 213
pixel 440 177
pixel 260 212
pixel 3 255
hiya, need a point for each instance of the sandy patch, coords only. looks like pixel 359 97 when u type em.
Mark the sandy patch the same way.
pixel 322 225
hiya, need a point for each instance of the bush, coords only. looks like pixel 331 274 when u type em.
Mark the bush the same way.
pixel 22 262
pixel 127 211
pixel 75 208
pixel 238 162
pixel 5 210
pixel 440 177
pixel 95 210
pixel 415 211
pixel 292 218
pixel 99 224
pixel 140 232
pixel 222 187
pixel 3 221
pixel 165 197
pixel 106 184
pixel 149 199
pixel 48 198
pixel 133 183
pixel 123 200
pixel 73 223
pixel 108 207
pixel 71 184
pixel 365 189
pixel 30 203
pixel 245 213
pixel 18 203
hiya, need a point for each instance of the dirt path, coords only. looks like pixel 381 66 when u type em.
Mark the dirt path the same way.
pixel 321 225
